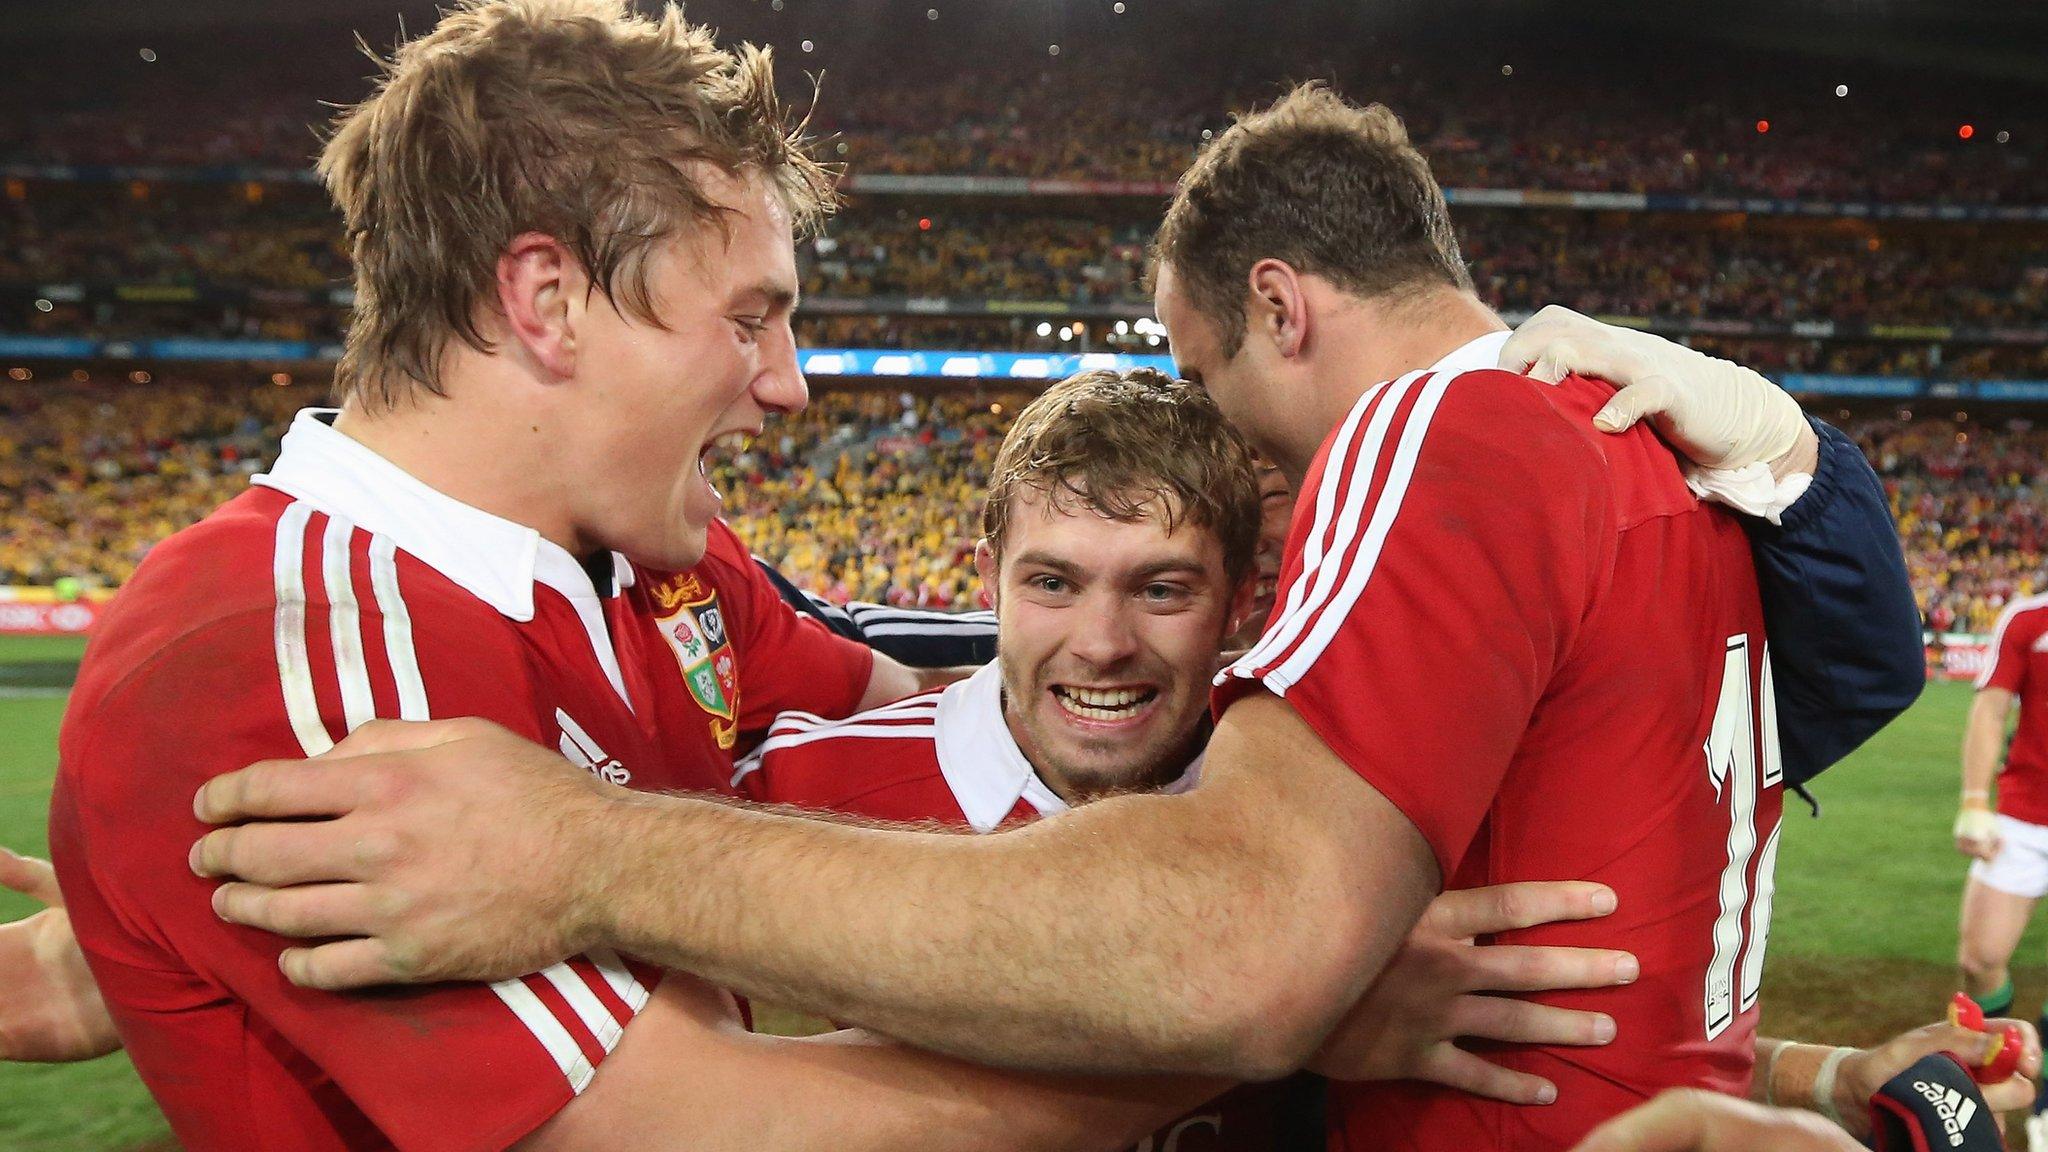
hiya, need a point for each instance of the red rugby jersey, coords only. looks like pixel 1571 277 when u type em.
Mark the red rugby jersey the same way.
pixel 948 756
pixel 338 590
pixel 1533 639
pixel 2019 664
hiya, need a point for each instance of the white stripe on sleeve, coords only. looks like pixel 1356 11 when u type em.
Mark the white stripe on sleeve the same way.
pixel 345 624
pixel 1388 505
pixel 540 1020
pixel 405 661
pixel 288 631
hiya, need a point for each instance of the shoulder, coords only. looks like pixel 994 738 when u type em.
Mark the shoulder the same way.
pixel 2023 615
pixel 1477 417
pixel 817 762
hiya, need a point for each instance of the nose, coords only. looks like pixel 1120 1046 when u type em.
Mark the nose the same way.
pixel 781 386
pixel 1104 636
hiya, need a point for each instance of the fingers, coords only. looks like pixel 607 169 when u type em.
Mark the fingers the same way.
pixel 1523 968
pixel 2030 1059
pixel 1506 907
pixel 283 789
pixel 31 877
pixel 2009 1095
pixel 1635 402
pixel 294 853
pixel 1520 1022
pixel 378 737
pixel 1454 1067
pixel 1542 347
pixel 304 910
pixel 342 965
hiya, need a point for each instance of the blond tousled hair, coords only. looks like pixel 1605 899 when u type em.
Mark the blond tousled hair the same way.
pixel 579 119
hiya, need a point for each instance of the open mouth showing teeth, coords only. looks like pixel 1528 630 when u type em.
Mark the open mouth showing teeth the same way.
pixel 1104 703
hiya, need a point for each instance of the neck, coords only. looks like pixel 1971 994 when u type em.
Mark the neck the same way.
pixel 497 457
pixel 1078 792
pixel 1380 339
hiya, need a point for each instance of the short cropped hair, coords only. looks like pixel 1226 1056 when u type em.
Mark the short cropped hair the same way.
pixel 1329 187
pixel 1128 446
pixel 576 118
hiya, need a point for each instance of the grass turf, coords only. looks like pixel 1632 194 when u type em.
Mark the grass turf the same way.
pixel 1861 947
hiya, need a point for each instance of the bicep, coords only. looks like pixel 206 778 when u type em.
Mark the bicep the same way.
pixel 1991 708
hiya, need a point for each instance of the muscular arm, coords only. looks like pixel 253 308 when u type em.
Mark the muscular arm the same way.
pixel 1246 914
pixel 688 1076
pixel 1221 931
pixel 1984 744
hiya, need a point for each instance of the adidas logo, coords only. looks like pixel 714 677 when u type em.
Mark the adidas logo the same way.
pixel 1956 1109
pixel 582 750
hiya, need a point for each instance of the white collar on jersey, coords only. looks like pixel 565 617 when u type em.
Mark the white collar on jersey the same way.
pixel 981 762
pixel 1474 355
pixel 489 557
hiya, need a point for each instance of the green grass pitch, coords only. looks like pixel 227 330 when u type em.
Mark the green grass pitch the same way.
pixel 1861 946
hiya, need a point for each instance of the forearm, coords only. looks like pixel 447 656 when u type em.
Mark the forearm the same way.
pixel 923 959
pixel 1983 746
pixel 1135 934
pixel 1789 1075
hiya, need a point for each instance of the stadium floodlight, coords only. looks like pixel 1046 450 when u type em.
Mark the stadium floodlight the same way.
pixel 1066 333
pixel 1045 328
pixel 1123 327
pixel 1153 340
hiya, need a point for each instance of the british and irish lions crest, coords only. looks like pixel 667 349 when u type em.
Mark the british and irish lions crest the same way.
pixel 695 629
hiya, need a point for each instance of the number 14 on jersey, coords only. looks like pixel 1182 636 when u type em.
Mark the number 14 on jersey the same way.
pixel 1739 781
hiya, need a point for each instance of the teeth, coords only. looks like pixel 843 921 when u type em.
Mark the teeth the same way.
pixel 1102 703
pixel 1105 698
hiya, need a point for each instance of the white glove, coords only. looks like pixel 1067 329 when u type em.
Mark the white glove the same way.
pixel 1978 824
pixel 1725 418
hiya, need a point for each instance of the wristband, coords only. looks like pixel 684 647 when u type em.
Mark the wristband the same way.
pixel 1975 824
pixel 1932 1105
pixel 1770 1071
pixel 1824 1084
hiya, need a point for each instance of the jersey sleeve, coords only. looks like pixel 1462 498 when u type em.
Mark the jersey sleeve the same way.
pixel 452 1066
pixel 2010 640
pixel 1445 548
pixel 789 660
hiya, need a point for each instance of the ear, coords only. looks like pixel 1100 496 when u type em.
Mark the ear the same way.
pixel 541 288
pixel 1241 601
pixel 1278 309
pixel 986 567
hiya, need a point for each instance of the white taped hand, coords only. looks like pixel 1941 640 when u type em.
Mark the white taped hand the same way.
pixel 1719 414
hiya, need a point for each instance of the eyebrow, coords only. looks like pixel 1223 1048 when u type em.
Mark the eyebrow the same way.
pixel 774 297
pixel 1052 563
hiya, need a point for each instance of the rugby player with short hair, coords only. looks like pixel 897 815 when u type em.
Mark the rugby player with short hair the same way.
pixel 1503 641
pixel 572 233
pixel 2006 837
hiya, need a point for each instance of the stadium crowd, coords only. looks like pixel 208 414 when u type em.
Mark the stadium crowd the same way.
pixel 866 495
pixel 1109 110
pixel 1667 265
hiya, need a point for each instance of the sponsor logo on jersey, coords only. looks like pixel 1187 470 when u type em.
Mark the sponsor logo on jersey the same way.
pixel 694 626
pixel 577 745
pixel 1956 1109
